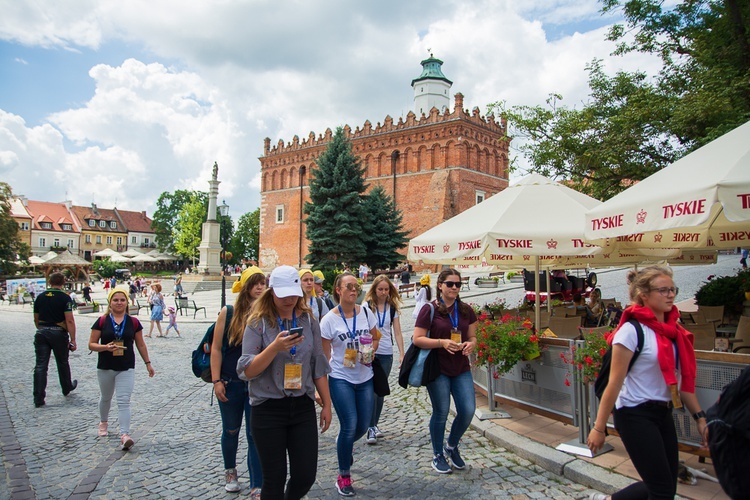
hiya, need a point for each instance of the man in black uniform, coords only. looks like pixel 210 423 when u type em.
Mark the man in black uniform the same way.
pixel 53 318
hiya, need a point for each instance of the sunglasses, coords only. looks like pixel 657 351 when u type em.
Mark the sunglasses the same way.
pixel 452 284
pixel 352 287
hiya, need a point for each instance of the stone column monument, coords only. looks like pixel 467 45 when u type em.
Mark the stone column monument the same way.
pixel 210 247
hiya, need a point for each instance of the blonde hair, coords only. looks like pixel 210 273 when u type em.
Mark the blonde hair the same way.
pixel 242 307
pixel 640 281
pixel 265 309
pixel 393 297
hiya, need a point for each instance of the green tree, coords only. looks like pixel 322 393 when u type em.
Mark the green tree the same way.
pixel 246 241
pixel 187 228
pixel 335 223
pixel 11 248
pixel 385 230
pixel 105 268
pixel 168 207
pixel 226 233
pixel 635 124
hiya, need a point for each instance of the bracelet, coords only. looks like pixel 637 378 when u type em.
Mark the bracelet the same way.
pixel 597 430
pixel 216 381
pixel 147 362
pixel 699 415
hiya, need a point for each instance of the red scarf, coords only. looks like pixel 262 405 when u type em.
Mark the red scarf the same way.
pixel 667 333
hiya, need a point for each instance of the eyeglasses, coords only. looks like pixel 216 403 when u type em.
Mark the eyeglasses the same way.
pixel 452 284
pixel 352 287
pixel 666 290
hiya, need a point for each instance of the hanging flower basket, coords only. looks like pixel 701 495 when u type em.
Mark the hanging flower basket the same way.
pixel 502 343
pixel 588 358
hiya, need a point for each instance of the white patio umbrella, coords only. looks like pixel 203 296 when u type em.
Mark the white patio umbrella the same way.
pixel 119 258
pixel 131 253
pixel 49 255
pixel 700 201
pixel 35 260
pixel 144 258
pixel 107 252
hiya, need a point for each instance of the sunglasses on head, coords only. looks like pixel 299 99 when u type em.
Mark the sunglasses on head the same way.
pixel 452 284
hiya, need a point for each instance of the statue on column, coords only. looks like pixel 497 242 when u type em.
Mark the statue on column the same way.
pixel 215 175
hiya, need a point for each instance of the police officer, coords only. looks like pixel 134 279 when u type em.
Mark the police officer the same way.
pixel 55 333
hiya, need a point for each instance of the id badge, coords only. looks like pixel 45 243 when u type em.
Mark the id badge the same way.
pixel 119 352
pixel 350 356
pixel 456 335
pixel 293 376
pixel 676 401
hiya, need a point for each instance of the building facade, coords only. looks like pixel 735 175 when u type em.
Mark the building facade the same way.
pixel 434 166
pixel 100 228
pixel 54 226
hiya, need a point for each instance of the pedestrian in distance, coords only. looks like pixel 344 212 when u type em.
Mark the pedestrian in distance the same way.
pixel 644 394
pixel 743 258
pixel 320 291
pixel 453 331
pixel 282 357
pixel 230 390
pixel 384 302
pixel 86 292
pixel 55 334
pixel 424 295
pixel 317 304
pixel 350 339
pixel 172 313
pixel 156 300
pixel 178 290
pixel 115 336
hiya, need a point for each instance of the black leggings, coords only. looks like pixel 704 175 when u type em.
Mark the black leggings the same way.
pixel 649 436
pixel 281 425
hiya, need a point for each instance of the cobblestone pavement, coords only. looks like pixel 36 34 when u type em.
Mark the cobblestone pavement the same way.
pixel 54 451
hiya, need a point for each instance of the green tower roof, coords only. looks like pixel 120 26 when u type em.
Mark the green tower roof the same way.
pixel 431 71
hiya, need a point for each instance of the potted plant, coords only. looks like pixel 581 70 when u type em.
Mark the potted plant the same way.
pixel 502 343
pixel 514 277
pixel 587 359
pixel 496 307
pixel 727 291
pixel 486 282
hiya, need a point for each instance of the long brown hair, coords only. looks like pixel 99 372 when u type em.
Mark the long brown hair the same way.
pixel 337 283
pixel 393 298
pixel 242 307
pixel 265 309
pixel 463 309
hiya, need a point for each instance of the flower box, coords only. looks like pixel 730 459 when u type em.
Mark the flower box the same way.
pixel 87 309
pixel 480 283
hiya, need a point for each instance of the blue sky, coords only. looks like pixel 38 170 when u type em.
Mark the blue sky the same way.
pixel 105 100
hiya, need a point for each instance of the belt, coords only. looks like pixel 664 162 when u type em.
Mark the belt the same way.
pixel 660 404
pixel 51 327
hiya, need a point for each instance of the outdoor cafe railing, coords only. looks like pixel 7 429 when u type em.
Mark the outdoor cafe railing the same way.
pixel 539 386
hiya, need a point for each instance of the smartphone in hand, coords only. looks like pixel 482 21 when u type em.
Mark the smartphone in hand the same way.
pixel 295 331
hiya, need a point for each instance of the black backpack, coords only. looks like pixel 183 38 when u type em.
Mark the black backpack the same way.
pixel 729 436
pixel 603 379
pixel 201 362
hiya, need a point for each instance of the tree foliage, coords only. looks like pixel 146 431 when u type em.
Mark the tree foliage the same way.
pixel 168 207
pixel 385 230
pixel 105 268
pixel 335 223
pixel 635 124
pixel 11 248
pixel 246 241
pixel 187 228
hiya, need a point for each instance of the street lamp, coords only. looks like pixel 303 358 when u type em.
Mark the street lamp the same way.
pixel 224 212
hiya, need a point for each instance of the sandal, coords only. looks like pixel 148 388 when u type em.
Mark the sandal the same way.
pixel 255 493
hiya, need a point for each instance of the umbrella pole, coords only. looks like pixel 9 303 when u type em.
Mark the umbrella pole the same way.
pixel 537 301
pixel 549 299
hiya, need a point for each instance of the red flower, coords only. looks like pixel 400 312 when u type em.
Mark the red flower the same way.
pixel 490 359
pixel 534 338
pixel 602 351
pixel 588 360
pixel 482 317
pixel 495 375
pixel 567 382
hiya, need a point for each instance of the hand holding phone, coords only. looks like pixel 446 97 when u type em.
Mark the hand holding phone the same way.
pixel 295 331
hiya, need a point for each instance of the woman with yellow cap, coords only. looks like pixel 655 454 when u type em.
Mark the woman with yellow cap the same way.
pixel 318 306
pixel 113 336
pixel 424 295
pixel 231 392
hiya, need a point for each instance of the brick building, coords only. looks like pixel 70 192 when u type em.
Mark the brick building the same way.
pixel 434 165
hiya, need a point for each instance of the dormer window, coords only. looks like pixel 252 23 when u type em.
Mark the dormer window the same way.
pixel 46 225
pixel 102 223
pixel 67 227
pixel 113 225
pixel 92 223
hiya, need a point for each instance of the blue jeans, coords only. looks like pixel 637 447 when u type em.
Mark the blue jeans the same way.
pixel 386 361
pixel 231 421
pixel 440 390
pixel 353 404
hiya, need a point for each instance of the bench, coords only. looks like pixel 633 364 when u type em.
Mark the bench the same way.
pixel 5 298
pixel 465 283
pixel 406 288
pixel 141 304
pixel 499 275
pixel 184 303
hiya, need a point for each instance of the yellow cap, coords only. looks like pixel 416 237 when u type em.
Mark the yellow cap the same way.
pixel 303 272
pixel 425 280
pixel 118 290
pixel 237 285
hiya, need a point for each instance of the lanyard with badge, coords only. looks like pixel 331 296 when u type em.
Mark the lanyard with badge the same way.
pixel 381 321
pixel 350 352
pixel 455 332
pixel 292 369
pixel 118 336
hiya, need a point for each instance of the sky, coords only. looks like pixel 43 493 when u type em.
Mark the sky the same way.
pixel 116 102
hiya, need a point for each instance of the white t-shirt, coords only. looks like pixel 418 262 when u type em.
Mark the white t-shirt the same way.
pixel 385 347
pixel 644 381
pixel 333 328
pixel 421 300
pixel 313 303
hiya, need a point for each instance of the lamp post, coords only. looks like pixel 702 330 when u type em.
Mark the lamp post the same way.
pixel 224 211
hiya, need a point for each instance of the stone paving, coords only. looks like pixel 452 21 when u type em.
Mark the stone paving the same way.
pixel 54 451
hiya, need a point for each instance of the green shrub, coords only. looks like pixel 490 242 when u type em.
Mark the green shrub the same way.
pixel 724 291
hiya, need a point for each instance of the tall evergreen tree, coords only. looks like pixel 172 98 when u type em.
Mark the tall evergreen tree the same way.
pixel 335 223
pixel 385 234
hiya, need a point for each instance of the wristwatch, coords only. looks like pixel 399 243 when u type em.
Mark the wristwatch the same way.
pixel 699 415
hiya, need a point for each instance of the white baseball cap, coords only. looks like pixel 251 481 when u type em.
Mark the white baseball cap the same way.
pixel 285 282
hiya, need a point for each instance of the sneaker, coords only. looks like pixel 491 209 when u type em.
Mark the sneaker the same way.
pixel 344 486
pixel 454 457
pixel 378 433
pixel 127 442
pixel 103 428
pixel 371 436
pixel 597 496
pixel 440 464
pixel 232 486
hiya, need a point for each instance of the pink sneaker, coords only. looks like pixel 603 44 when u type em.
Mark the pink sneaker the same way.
pixel 127 442
pixel 103 427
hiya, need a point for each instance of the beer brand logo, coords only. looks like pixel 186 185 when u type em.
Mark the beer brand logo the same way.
pixel 744 200
pixel 528 374
pixel 446 248
pixel 691 207
pixel 658 237
pixel 551 244
pixel 640 217
pixel 526 257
